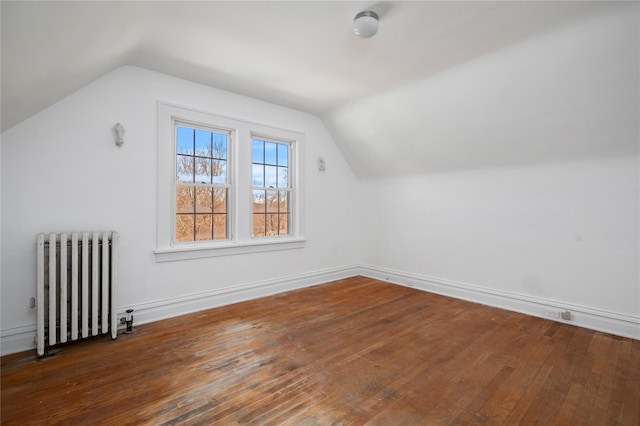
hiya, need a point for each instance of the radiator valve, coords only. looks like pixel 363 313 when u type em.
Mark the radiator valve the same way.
pixel 128 319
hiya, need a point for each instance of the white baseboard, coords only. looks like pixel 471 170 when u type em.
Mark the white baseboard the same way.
pixel 595 319
pixel 19 339
pixel 168 308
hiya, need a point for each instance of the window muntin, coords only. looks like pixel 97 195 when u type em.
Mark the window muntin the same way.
pixel 272 189
pixel 201 183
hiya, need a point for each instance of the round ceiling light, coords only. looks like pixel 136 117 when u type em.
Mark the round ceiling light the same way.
pixel 365 24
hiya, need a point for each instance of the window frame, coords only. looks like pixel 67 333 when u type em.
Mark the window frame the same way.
pixel 290 189
pixel 239 169
pixel 212 185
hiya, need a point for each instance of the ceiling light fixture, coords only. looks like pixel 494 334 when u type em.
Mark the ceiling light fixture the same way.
pixel 365 24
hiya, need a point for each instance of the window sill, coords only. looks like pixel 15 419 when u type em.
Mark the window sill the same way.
pixel 186 252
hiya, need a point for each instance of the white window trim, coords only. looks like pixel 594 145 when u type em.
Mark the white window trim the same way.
pixel 240 241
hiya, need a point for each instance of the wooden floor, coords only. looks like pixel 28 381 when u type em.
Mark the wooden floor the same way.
pixel 356 351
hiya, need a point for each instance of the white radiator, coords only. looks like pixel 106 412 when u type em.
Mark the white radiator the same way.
pixel 76 286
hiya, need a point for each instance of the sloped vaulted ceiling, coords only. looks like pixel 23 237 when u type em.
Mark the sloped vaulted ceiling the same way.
pixel 443 85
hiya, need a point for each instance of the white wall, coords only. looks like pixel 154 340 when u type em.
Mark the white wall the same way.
pixel 562 235
pixel 513 179
pixel 61 170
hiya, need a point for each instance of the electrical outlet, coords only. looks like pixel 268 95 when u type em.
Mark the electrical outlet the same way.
pixel 32 303
pixel 566 315
pixel 551 314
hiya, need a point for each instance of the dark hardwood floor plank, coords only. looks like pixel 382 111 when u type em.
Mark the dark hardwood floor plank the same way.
pixel 352 352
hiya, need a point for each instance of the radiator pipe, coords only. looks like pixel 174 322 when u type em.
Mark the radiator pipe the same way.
pixel 129 321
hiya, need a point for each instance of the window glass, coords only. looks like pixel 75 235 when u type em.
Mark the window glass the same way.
pixel 271 188
pixel 201 186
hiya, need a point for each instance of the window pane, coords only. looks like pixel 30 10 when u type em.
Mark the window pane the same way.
pixel 284 224
pixel 203 143
pixel 257 151
pixel 283 154
pixel 219 226
pixel 270 153
pixel 272 201
pixel 184 168
pixel 203 170
pixel 219 171
pixel 184 199
pixel 204 227
pixel 184 140
pixel 204 202
pixel 258 175
pixel 219 146
pixel 270 179
pixel 271 224
pixel 283 177
pixel 258 201
pixel 284 202
pixel 184 227
pixel 258 225
pixel 220 200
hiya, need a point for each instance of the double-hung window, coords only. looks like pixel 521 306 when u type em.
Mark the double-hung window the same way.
pixel 226 186
pixel 201 183
pixel 271 187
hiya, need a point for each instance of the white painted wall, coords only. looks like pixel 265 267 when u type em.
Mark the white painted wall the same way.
pixel 514 178
pixel 61 170
pixel 566 233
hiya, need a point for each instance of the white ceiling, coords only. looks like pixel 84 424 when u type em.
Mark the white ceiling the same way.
pixel 375 95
